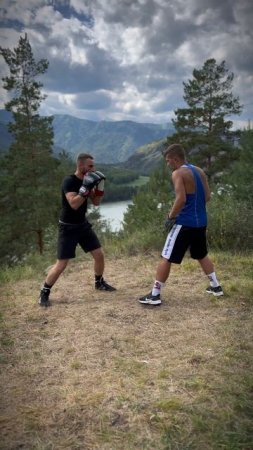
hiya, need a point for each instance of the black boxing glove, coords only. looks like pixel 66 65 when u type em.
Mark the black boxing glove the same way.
pixel 169 223
pixel 101 185
pixel 90 180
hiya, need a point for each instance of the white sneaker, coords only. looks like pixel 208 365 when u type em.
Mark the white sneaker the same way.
pixel 217 291
pixel 150 299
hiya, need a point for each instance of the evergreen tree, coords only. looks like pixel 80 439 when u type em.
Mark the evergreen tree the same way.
pixel 240 177
pixel 206 134
pixel 29 199
pixel 151 203
pixel 203 127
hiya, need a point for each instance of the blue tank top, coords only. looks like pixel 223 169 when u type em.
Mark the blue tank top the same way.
pixel 193 213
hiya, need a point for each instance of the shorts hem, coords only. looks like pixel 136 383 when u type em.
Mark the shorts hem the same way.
pixel 65 257
pixel 197 258
pixel 170 261
pixel 91 250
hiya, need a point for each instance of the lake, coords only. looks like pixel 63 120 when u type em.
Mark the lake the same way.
pixel 113 213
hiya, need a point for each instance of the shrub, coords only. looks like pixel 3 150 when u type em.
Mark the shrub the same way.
pixel 229 223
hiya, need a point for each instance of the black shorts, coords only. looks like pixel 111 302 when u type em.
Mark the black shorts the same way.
pixel 180 238
pixel 70 235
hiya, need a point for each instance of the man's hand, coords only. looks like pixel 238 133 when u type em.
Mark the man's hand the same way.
pixel 90 180
pixel 99 191
pixel 169 223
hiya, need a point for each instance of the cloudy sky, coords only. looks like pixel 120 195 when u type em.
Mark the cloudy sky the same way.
pixel 128 59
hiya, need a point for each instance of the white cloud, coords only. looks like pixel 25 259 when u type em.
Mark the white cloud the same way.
pixel 133 45
pixel 67 99
pixel 45 16
pixel 81 6
pixel 128 59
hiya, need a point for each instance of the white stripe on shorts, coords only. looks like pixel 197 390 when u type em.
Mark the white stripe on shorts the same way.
pixel 170 241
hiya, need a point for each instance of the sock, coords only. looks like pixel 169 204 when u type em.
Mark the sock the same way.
pixel 213 280
pixel 47 286
pixel 98 277
pixel 157 287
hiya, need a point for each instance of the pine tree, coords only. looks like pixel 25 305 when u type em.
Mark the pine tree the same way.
pixel 240 177
pixel 151 203
pixel 203 127
pixel 28 175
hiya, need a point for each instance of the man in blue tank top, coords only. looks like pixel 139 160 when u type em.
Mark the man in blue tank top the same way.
pixel 188 221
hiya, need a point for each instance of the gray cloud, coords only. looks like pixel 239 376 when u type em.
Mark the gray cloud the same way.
pixel 127 59
pixel 99 73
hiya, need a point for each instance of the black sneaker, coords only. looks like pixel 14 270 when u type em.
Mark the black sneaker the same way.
pixel 101 285
pixel 217 291
pixel 44 297
pixel 150 299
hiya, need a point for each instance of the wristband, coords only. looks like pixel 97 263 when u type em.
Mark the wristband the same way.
pixel 99 193
pixel 83 192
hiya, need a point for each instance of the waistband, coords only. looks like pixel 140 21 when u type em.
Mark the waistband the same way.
pixel 73 224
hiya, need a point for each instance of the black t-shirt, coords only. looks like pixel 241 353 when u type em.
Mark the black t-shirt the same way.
pixel 68 214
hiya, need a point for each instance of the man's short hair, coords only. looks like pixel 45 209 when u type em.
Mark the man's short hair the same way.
pixel 83 157
pixel 174 150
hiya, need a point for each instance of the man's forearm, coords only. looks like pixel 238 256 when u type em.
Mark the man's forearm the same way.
pixel 95 199
pixel 76 201
pixel 176 208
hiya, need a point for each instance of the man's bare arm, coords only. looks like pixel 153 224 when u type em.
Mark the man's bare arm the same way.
pixel 180 194
pixel 95 199
pixel 75 200
pixel 206 185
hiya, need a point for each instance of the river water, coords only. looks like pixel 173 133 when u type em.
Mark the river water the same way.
pixel 113 213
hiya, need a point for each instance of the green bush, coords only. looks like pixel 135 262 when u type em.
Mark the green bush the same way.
pixel 229 223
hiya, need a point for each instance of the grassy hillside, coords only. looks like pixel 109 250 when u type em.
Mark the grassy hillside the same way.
pixel 109 142
pixel 147 157
pixel 99 371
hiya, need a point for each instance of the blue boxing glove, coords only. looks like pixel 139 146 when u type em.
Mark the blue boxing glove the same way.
pixel 90 180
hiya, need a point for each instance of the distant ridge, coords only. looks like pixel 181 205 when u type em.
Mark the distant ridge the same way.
pixel 147 158
pixel 109 142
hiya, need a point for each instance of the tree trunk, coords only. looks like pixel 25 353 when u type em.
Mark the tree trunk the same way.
pixel 40 241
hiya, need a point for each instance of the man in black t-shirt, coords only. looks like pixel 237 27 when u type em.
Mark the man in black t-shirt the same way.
pixel 74 228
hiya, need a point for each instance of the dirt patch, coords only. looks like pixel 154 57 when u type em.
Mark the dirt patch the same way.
pixel 98 370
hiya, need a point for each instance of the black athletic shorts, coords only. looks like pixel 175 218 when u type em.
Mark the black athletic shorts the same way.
pixel 70 235
pixel 182 238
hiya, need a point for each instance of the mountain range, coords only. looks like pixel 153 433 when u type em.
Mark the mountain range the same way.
pixel 109 142
pixel 146 158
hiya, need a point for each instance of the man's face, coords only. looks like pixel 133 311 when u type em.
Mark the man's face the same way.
pixel 170 161
pixel 87 166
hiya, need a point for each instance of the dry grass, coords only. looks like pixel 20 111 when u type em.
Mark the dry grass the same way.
pixel 99 371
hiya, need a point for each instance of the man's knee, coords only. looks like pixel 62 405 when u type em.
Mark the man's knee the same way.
pixel 60 265
pixel 98 254
pixel 164 262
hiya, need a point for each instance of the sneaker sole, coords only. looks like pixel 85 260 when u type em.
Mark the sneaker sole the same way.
pixel 105 290
pixel 216 294
pixel 150 302
pixel 45 305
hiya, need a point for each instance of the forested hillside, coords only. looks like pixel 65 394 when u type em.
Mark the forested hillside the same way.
pixel 147 157
pixel 109 142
